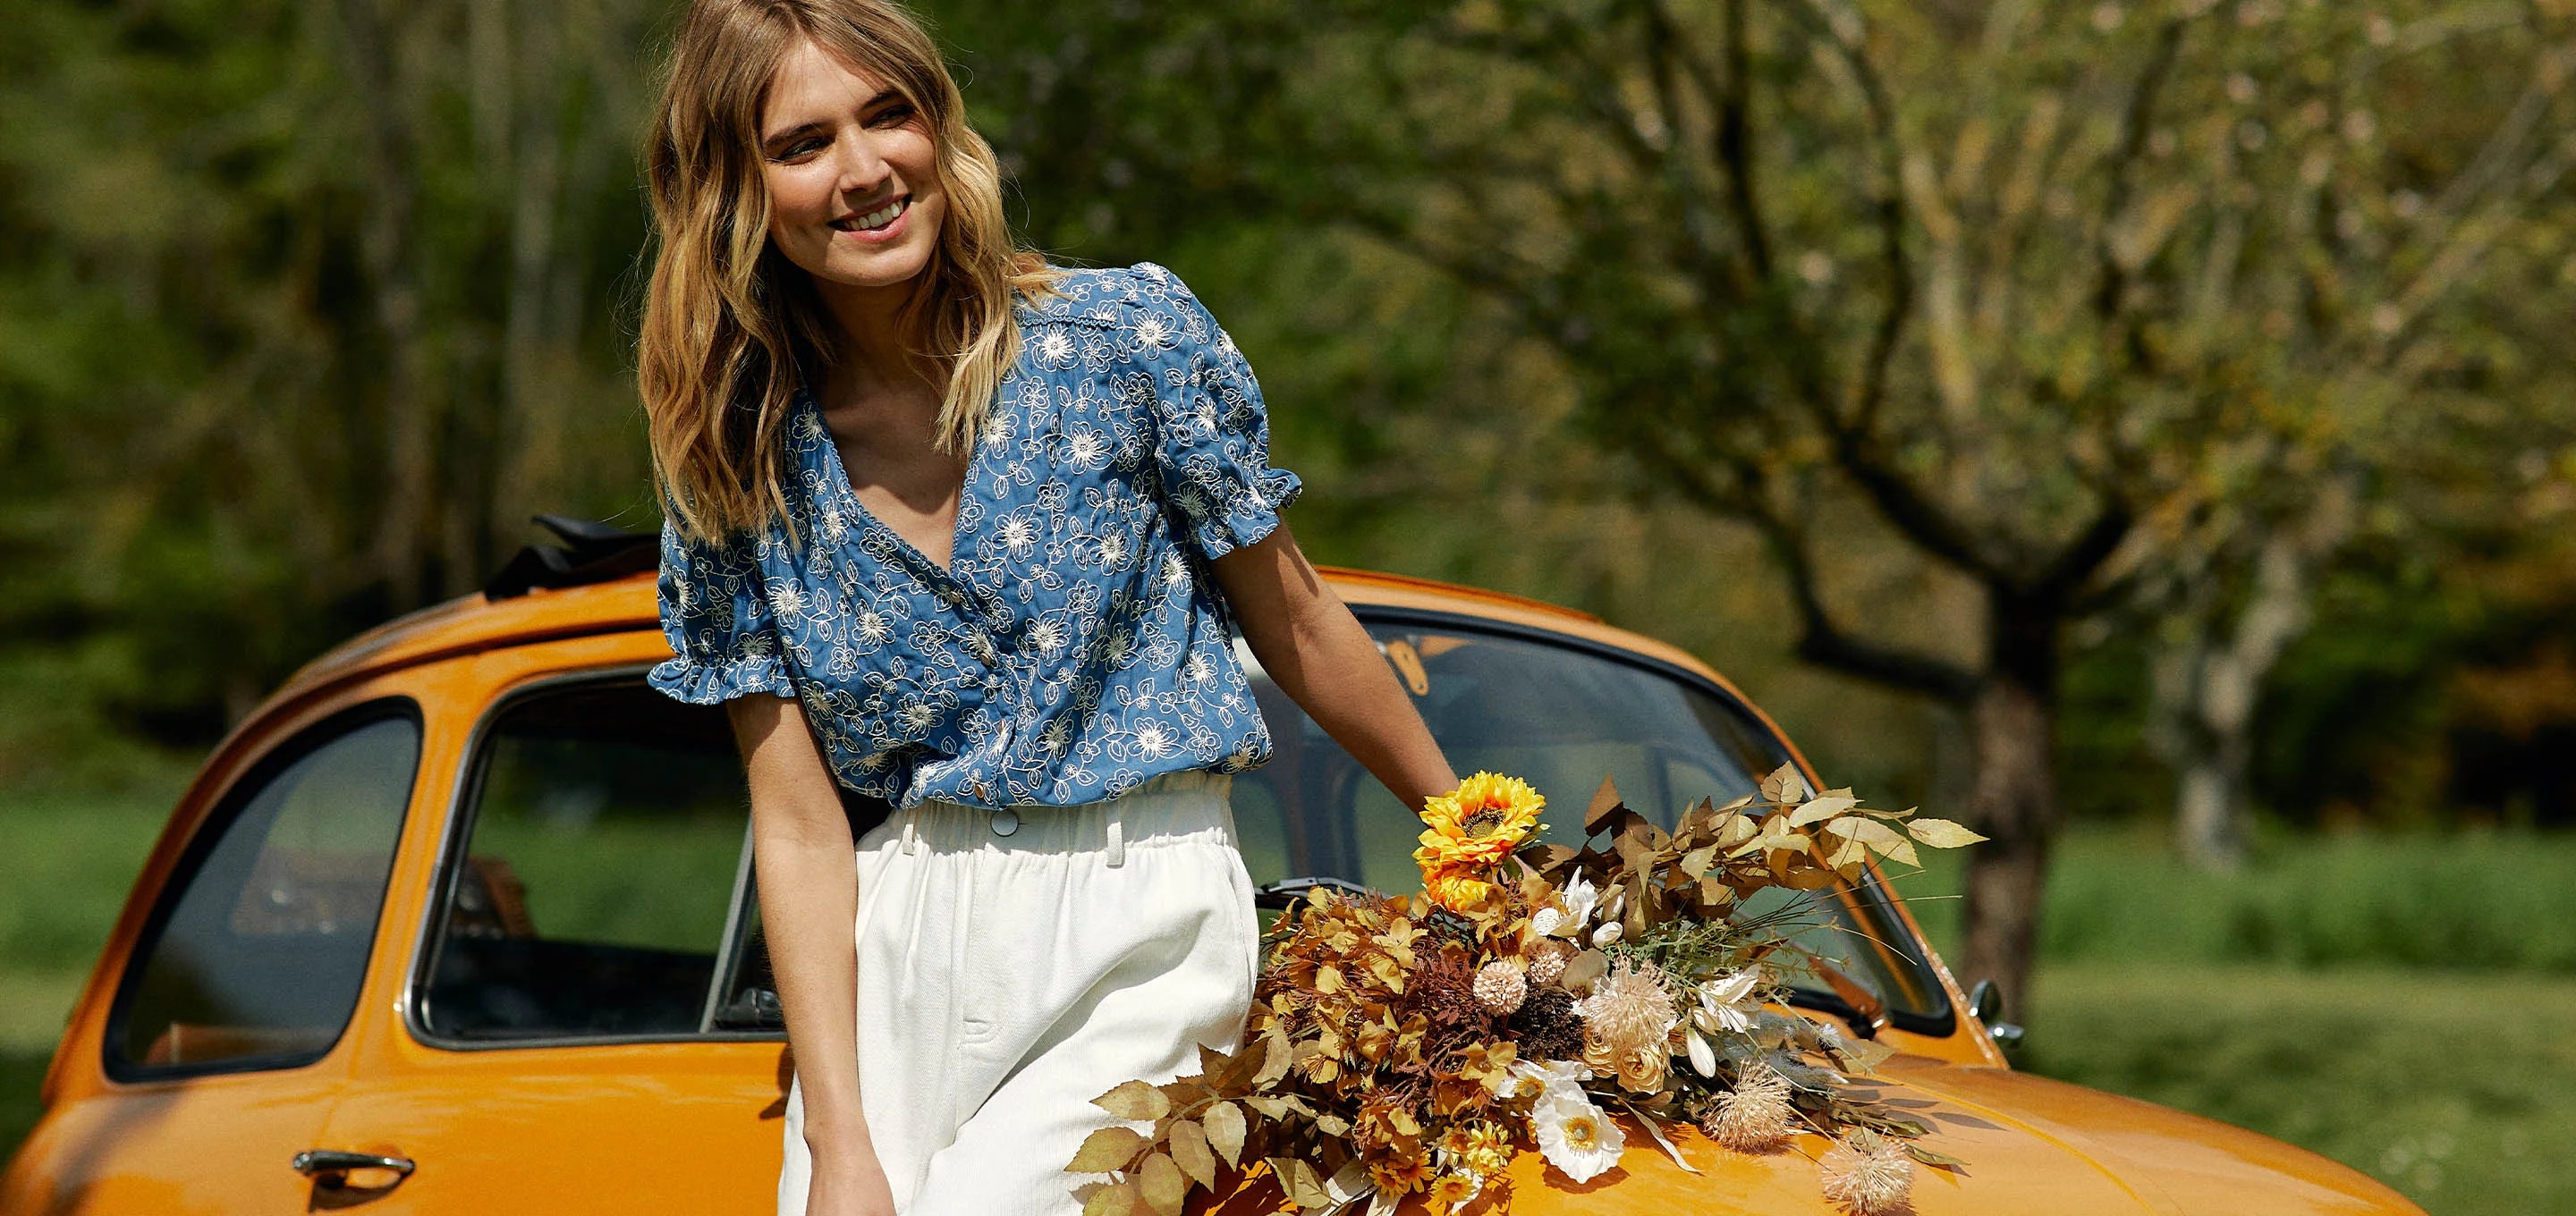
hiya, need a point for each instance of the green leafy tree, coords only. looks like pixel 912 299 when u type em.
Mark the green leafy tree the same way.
pixel 2076 303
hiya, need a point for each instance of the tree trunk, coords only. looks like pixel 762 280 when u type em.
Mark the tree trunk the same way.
pixel 2013 722
pixel 2206 687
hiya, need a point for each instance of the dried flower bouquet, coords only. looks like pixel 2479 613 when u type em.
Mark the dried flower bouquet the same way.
pixel 1401 1046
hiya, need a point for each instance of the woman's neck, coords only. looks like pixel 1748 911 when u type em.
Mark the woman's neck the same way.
pixel 875 363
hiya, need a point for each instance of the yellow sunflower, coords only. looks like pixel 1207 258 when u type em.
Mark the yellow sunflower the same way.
pixel 1455 887
pixel 1451 1191
pixel 1399 1171
pixel 1476 826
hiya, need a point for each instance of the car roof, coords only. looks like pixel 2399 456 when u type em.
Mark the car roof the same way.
pixel 476 622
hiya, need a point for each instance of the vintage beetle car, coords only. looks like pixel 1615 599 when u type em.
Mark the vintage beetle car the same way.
pixel 459 921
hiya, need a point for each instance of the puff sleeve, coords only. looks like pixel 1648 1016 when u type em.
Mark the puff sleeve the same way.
pixel 1211 436
pixel 716 616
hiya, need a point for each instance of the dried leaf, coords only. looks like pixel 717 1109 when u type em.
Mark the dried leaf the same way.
pixel 1584 968
pixel 1115 1200
pixel 1865 1055
pixel 1795 842
pixel 1224 1123
pixel 1605 805
pixel 1162 1185
pixel 1656 1130
pixel 1942 834
pixel 1784 785
pixel 1110 1148
pixel 1190 1152
pixel 1299 1182
pixel 1274 1064
pixel 1810 880
pixel 1696 862
pixel 1134 1100
pixel 1876 835
pixel 1825 807
pixel 1271 1106
pixel 1929 1157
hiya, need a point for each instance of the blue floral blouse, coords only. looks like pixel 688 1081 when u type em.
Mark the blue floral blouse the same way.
pixel 1077 645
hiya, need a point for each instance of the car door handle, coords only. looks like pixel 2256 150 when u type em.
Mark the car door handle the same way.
pixel 316 1162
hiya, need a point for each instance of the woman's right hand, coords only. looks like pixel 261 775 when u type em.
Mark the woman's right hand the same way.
pixel 849 1183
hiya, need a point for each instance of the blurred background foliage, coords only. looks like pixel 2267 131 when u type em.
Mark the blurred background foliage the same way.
pixel 2153 417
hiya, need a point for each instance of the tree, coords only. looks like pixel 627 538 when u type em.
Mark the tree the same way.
pixel 2061 295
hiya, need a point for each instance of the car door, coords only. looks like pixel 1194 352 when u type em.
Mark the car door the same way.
pixel 568 1039
pixel 224 1042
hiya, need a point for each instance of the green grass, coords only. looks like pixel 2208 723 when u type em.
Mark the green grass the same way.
pixel 65 865
pixel 2474 901
pixel 2458 1090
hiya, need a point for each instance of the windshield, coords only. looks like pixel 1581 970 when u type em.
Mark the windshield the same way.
pixel 1562 716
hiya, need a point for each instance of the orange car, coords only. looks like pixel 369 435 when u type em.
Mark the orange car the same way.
pixel 460 921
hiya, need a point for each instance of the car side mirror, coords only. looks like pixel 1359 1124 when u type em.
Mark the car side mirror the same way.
pixel 1987 1002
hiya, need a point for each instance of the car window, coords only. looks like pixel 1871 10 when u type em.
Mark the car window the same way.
pixel 1561 716
pixel 256 954
pixel 603 852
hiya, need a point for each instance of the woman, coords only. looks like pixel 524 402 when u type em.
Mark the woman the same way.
pixel 972 528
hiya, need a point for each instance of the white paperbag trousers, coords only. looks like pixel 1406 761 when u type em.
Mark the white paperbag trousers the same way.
pixel 1005 980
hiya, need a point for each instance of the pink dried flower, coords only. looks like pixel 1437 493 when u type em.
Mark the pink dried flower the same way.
pixel 1501 987
pixel 1629 1010
pixel 1547 962
pixel 1757 1116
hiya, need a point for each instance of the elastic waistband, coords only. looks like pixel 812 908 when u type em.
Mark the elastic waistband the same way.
pixel 1171 808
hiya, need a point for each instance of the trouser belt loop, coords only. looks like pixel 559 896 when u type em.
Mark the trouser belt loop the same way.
pixel 911 830
pixel 1117 837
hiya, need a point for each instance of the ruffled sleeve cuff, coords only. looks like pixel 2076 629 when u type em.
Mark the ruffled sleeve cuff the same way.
pixel 699 682
pixel 1229 508
pixel 1211 427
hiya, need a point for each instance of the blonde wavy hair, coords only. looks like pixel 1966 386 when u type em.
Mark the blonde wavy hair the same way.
pixel 730 324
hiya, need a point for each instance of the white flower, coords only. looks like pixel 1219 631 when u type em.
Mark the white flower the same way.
pixel 1576 1137
pixel 1703 1058
pixel 1545 922
pixel 1608 935
pixel 1548 1081
pixel 1730 1001
pixel 1579 895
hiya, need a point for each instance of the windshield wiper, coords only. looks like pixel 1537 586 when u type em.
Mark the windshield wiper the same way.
pixel 1287 891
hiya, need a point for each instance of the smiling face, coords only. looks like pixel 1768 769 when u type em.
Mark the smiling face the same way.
pixel 850 165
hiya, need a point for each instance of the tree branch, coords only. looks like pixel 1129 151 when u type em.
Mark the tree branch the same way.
pixel 1820 640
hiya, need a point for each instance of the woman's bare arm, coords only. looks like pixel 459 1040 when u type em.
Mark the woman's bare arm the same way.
pixel 1318 653
pixel 803 860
